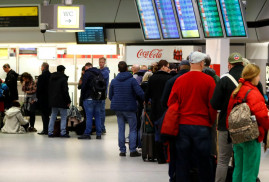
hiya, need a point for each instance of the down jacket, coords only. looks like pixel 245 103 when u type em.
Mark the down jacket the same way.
pixel 256 104
pixel 13 121
pixel 123 92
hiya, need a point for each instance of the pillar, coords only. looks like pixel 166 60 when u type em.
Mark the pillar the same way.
pixel 219 51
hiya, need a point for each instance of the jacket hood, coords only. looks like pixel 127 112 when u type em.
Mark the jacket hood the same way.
pixel 93 70
pixel 12 111
pixel 58 75
pixel 209 71
pixel 124 76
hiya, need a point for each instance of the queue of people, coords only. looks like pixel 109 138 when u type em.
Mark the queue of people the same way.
pixel 193 90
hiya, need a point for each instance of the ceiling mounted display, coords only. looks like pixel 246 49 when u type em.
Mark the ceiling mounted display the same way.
pixel 92 35
pixel 232 18
pixel 167 19
pixel 148 20
pixel 19 16
pixel 187 19
pixel 208 10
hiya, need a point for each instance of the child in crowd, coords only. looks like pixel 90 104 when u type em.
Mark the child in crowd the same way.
pixel 14 121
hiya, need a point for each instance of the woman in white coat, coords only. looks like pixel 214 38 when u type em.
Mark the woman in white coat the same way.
pixel 14 121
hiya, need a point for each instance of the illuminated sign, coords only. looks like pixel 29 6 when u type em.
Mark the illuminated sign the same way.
pixel 68 17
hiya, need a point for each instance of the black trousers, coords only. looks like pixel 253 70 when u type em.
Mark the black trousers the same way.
pixel 45 114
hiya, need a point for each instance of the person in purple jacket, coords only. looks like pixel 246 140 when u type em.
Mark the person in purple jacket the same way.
pixel 123 93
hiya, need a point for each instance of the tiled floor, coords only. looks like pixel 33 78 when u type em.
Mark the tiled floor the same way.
pixel 34 158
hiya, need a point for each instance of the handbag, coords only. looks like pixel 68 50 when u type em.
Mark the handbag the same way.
pixel 170 124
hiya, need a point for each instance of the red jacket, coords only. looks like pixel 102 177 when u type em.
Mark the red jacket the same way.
pixel 256 104
pixel 192 92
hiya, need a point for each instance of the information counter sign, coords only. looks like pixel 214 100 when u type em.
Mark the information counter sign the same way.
pixel 208 10
pixel 187 19
pixel 232 18
pixel 167 19
pixel 148 20
pixel 19 16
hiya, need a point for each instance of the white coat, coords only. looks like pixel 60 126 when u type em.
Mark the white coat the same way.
pixel 13 120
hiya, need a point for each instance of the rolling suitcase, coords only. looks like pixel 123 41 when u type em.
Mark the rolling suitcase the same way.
pixel 148 137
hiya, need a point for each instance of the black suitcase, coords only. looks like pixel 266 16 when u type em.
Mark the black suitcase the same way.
pixel 148 137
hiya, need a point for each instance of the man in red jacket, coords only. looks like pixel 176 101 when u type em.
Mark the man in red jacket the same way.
pixel 193 92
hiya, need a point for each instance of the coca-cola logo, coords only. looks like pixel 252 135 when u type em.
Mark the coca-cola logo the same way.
pixel 155 53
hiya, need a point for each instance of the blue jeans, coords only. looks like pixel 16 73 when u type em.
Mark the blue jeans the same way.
pixel 123 116
pixel 193 145
pixel 54 112
pixel 103 114
pixel 92 109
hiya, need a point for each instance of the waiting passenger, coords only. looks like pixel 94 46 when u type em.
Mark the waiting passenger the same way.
pixel 91 102
pixel 196 119
pixel 79 87
pixel 11 81
pixel 184 67
pixel 123 92
pixel 105 72
pixel 30 100
pixel 154 92
pixel 59 100
pixel 145 80
pixel 220 101
pixel 14 121
pixel 42 94
pixel 247 155
pixel 138 73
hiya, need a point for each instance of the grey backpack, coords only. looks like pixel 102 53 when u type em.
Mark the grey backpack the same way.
pixel 243 126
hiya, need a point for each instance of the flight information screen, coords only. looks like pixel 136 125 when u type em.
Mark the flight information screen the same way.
pixel 209 13
pixel 232 18
pixel 167 19
pixel 186 17
pixel 148 19
pixel 92 35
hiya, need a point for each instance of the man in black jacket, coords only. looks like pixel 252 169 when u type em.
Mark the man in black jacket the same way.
pixel 220 101
pixel 11 81
pixel 42 94
pixel 59 100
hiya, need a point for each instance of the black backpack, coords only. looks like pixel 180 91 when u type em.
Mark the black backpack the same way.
pixel 97 86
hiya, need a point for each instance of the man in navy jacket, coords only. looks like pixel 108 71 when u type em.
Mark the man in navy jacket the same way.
pixel 123 92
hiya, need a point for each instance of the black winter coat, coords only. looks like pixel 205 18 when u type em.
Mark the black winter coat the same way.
pixel 42 92
pixel 154 92
pixel 11 81
pixel 58 91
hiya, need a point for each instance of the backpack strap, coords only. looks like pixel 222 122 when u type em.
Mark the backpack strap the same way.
pixel 232 79
pixel 245 98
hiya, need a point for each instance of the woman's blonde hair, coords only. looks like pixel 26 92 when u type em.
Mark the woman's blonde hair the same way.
pixel 248 74
pixel 146 76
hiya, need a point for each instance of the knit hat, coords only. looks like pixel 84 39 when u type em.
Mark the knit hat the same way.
pixel 197 57
pixel 235 58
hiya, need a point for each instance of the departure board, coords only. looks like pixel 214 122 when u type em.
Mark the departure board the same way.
pixel 186 17
pixel 19 16
pixel 92 35
pixel 209 13
pixel 167 19
pixel 232 18
pixel 148 20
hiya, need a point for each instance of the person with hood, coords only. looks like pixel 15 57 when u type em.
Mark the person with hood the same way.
pixel 105 72
pixel 14 121
pixel 123 93
pixel 59 100
pixel 11 81
pixel 42 94
pixel 92 105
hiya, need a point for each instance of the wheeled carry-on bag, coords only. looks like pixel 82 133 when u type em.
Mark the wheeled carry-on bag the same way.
pixel 148 137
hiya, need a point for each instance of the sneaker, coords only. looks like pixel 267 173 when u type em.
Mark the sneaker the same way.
pixel 85 137
pixel 122 154
pixel 98 137
pixel 65 136
pixel 51 136
pixel 135 154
